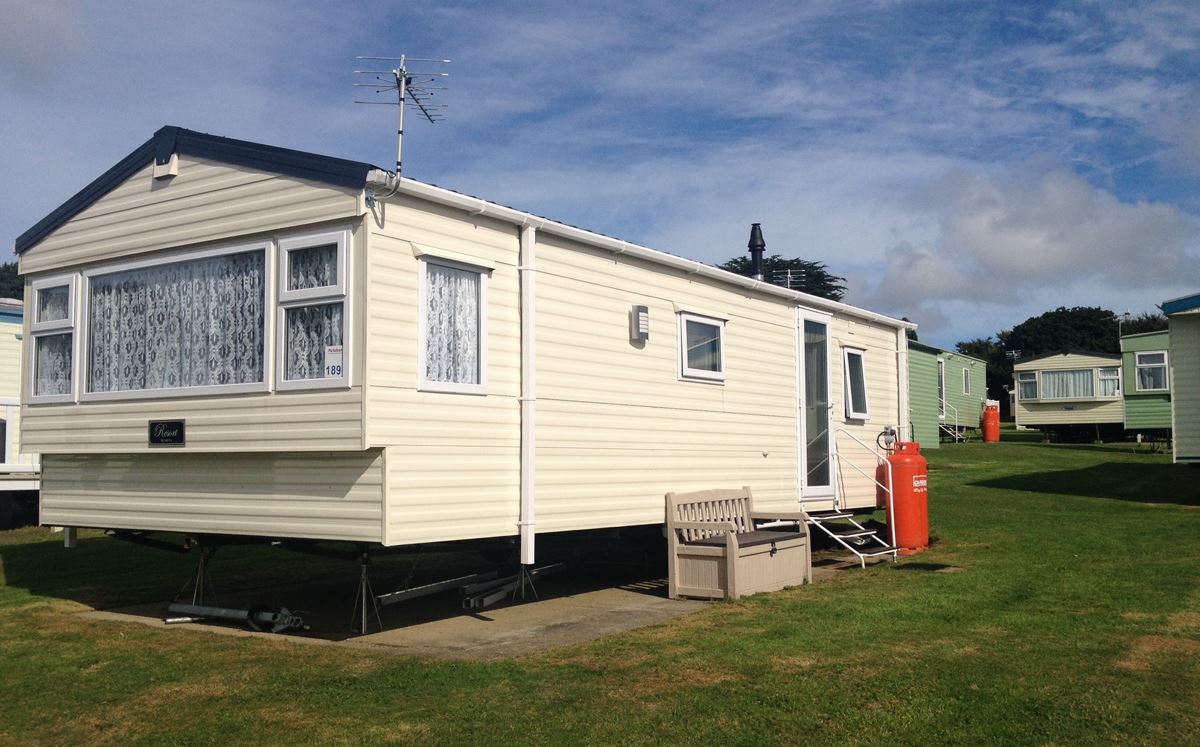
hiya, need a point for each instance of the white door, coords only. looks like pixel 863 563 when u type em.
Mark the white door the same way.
pixel 816 439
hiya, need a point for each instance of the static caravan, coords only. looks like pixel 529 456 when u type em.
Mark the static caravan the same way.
pixel 1069 391
pixel 1183 370
pixel 231 338
pixel 19 473
pixel 946 393
pixel 1146 383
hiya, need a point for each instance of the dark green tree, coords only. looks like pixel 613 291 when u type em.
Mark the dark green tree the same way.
pixel 911 333
pixel 1144 322
pixel 11 285
pixel 805 275
pixel 1087 328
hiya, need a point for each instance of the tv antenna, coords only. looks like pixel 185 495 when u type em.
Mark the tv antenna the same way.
pixel 411 88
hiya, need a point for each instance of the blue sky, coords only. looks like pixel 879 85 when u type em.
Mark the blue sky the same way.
pixel 963 164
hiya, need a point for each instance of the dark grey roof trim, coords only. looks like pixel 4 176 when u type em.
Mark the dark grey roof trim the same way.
pixel 168 140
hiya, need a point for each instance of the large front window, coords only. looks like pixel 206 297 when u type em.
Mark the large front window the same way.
pixel 1068 384
pixel 197 323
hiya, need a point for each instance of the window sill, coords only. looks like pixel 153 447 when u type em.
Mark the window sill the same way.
pixel 301 385
pixel 180 393
pixel 446 387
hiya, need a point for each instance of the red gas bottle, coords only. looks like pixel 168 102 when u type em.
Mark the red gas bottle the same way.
pixel 991 422
pixel 909 513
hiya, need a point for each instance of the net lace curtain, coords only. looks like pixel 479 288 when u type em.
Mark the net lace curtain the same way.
pixel 197 323
pixel 452 325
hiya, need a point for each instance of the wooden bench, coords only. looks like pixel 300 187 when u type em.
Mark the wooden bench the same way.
pixel 715 551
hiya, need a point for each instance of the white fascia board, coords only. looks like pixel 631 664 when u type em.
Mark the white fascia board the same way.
pixel 387 183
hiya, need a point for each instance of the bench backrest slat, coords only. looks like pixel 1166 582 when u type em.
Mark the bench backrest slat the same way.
pixel 722 505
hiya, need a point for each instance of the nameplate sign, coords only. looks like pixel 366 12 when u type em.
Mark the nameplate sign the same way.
pixel 167 433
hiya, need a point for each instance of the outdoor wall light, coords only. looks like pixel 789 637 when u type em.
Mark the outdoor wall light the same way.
pixel 639 324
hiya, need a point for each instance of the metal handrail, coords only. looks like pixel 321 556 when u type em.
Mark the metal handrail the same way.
pixel 946 404
pixel 837 454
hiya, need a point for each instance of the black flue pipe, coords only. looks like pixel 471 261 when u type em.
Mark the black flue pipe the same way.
pixel 756 246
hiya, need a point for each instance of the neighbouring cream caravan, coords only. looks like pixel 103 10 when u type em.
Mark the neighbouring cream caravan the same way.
pixel 18 472
pixel 232 338
pixel 1057 391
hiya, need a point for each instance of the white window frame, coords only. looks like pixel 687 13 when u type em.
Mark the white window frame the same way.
pixel 966 382
pixel 166 258
pixel 451 387
pixel 1165 365
pixel 941 380
pixel 294 299
pixel 1100 378
pixel 847 384
pixel 687 373
pixel 50 329
pixel 1037 385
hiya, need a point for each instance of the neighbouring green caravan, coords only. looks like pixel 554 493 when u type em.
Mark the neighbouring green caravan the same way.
pixel 1146 382
pixel 946 391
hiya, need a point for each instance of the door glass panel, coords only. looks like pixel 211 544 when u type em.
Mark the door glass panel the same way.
pixel 816 404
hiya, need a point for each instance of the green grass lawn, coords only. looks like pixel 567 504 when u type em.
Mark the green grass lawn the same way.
pixel 1072 616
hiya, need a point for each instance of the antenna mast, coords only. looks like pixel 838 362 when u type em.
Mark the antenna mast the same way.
pixel 410 87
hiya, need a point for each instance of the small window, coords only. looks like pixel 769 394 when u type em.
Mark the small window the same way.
pixel 53 328
pixel 454 323
pixel 1110 382
pixel 314 328
pixel 1151 372
pixel 703 350
pixel 941 387
pixel 967 381
pixel 1027 385
pixel 856 384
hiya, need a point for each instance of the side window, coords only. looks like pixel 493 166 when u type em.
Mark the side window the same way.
pixel 1151 372
pixel 967 381
pixel 855 383
pixel 1027 385
pixel 53 332
pixel 941 387
pixel 454 327
pixel 701 347
pixel 1110 382
pixel 313 310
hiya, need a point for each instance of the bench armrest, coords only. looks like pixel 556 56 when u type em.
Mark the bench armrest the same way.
pixel 780 515
pixel 725 526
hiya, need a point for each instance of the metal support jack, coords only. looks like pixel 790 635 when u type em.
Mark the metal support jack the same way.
pixel 364 598
pixel 200 582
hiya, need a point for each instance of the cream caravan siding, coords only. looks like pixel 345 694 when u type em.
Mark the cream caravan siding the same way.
pixel 453 460
pixel 279 421
pixel 617 429
pixel 331 495
pixel 207 201
pixel 1185 385
pixel 1078 411
pixel 10 359
pixel 855 489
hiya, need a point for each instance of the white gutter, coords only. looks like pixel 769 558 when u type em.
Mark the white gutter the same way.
pixel 385 180
pixel 527 269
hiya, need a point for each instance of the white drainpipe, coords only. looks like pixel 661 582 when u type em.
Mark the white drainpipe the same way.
pixel 528 275
pixel 902 425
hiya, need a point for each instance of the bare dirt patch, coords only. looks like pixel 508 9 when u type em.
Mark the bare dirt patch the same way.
pixel 1148 649
pixel 1185 622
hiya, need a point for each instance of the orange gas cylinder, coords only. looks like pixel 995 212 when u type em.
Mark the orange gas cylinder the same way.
pixel 991 422
pixel 910 504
